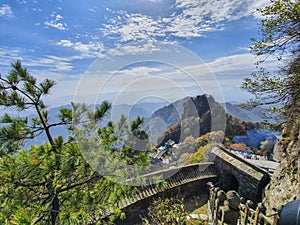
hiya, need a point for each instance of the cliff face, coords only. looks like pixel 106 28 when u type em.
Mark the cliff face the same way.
pixel 200 115
pixel 285 183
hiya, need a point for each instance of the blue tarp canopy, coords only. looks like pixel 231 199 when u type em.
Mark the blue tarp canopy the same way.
pixel 162 148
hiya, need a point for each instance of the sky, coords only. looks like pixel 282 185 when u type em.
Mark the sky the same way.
pixel 128 51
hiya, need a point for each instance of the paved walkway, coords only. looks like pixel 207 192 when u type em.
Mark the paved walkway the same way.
pixel 265 164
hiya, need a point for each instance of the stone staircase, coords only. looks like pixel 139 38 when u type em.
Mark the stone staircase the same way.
pixel 183 176
pixel 161 181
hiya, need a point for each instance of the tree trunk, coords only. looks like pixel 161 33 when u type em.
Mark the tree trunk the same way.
pixel 55 209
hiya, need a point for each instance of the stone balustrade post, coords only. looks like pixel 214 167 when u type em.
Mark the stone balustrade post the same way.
pixel 258 210
pixel 216 212
pixel 246 213
pixel 213 200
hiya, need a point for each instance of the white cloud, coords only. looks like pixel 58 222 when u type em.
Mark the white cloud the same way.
pixel 216 77
pixel 89 50
pixel 56 63
pixel 93 10
pixel 58 17
pixel 133 27
pixel 55 22
pixel 51 63
pixel 216 10
pixel 190 18
pixel 194 17
pixel 65 43
pixel 6 12
pixel 241 63
pixel 36 9
pixel 140 81
pixel 7 56
pixel 136 48
pixel 23 1
pixel 141 71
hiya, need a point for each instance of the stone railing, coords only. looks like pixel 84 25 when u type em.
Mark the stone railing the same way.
pixel 171 178
pixel 160 181
pixel 231 209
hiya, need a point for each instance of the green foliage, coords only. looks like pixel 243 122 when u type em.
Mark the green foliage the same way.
pixel 13 134
pixel 57 182
pixel 280 38
pixel 267 147
pixel 193 150
pixel 234 127
pixel 211 137
pixel 32 178
pixel 196 126
pixel 200 154
pixel 166 211
pixel 279 28
pixel 21 90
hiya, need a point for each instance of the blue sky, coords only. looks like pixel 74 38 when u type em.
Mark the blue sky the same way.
pixel 127 51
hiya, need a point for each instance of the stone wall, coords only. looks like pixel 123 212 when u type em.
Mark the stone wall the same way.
pixel 240 175
pixel 285 183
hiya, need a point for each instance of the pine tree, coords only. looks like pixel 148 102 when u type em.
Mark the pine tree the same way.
pixel 57 182
pixel 280 38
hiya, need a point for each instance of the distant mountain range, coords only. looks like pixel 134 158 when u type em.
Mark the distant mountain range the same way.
pixel 142 109
pixel 161 116
pixel 150 110
pixel 257 114
pixel 170 113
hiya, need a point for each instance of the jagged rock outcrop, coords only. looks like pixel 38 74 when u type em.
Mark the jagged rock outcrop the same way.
pixel 194 116
pixel 200 115
pixel 285 183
